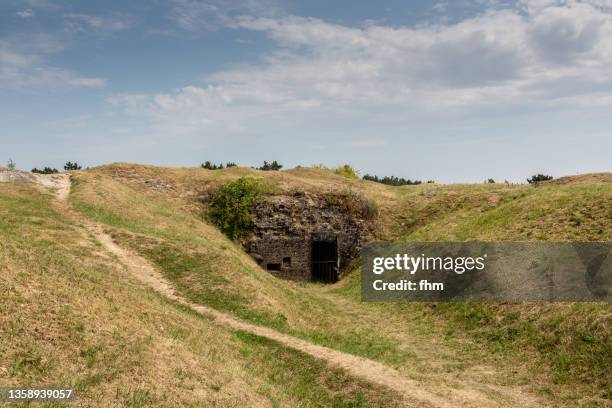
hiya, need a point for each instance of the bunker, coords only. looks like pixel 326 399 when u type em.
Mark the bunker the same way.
pixel 307 236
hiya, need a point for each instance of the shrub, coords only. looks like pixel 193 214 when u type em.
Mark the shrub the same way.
pixel 230 164
pixel 232 204
pixel 347 171
pixel 211 166
pixel 537 178
pixel 370 209
pixel 46 170
pixel 72 166
pixel 392 180
pixel 11 165
pixel 271 166
pixel 489 181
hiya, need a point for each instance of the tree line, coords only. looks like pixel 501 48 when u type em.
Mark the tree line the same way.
pixel 267 166
pixel 49 170
pixel 393 180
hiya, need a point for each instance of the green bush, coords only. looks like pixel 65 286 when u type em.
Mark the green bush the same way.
pixel 46 170
pixel 537 178
pixel 393 180
pixel 72 166
pixel 211 166
pixel 270 166
pixel 347 171
pixel 232 204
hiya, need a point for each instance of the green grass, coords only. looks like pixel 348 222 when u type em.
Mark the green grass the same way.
pixel 572 340
pixel 194 276
pixel 207 268
pixel 561 349
pixel 571 344
pixel 70 315
pixel 555 213
pixel 305 378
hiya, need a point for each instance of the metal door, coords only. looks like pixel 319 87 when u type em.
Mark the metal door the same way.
pixel 325 261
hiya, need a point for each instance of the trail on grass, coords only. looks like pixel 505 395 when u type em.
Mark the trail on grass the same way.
pixel 414 392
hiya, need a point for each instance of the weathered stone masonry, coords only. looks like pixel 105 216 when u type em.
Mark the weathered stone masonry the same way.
pixel 285 227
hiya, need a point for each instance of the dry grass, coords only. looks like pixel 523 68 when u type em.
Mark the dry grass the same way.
pixel 547 213
pixel 582 179
pixel 156 212
pixel 425 342
pixel 208 268
pixel 71 315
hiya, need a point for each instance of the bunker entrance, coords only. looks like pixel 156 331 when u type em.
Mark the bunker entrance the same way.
pixel 325 261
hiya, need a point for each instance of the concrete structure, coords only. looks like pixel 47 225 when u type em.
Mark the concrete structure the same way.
pixel 307 236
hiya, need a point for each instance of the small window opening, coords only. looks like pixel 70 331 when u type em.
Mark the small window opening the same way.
pixel 287 262
pixel 273 267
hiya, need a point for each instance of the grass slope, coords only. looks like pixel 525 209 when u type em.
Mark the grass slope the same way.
pixel 208 268
pixel 70 315
pixel 562 351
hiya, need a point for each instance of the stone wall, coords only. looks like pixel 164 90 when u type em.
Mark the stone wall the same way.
pixel 286 225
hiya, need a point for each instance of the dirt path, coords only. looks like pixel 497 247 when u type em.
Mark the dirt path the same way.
pixel 414 392
pixel 371 371
pixel 58 182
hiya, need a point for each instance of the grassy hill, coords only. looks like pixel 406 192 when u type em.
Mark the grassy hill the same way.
pixel 71 316
pixel 559 352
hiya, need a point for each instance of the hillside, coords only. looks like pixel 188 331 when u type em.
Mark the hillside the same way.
pixel 465 353
pixel 71 315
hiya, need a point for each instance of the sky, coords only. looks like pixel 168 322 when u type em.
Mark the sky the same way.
pixel 457 91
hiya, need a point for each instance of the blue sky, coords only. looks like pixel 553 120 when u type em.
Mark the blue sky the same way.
pixel 452 91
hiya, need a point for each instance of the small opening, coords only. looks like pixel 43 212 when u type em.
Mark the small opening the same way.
pixel 287 262
pixel 325 261
pixel 273 267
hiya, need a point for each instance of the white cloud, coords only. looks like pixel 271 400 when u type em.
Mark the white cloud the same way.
pixel 23 65
pixel 440 7
pixel 208 15
pixel 82 22
pixel 541 54
pixel 25 13
pixel 562 34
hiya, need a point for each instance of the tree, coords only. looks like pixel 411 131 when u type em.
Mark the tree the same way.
pixel 538 178
pixel 489 181
pixel 211 166
pixel 46 170
pixel 271 166
pixel 11 164
pixel 392 180
pixel 72 166
pixel 232 205
pixel 230 164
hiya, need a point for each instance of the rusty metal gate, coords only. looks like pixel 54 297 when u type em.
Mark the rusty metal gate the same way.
pixel 325 261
